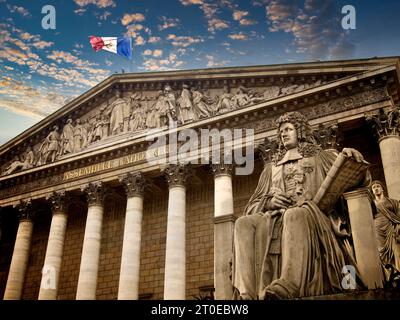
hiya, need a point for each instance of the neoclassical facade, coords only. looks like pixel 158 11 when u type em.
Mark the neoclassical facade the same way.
pixel 86 215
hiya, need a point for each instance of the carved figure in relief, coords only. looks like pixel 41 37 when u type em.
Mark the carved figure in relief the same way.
pixel 202 104
pixel 153 112
pixel 168 110
pixel 137 119
pixel 224 103
pixel 185 104
pixel 86 133
pixel 98 128
pixel 67 138
pixel 118 113
pixel 241 98
pixel 51 147
pixel 281 242
pixel 387 225
pixel 78 135
pixel 27 162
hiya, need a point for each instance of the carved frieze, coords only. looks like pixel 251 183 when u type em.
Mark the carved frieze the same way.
pixel 137 111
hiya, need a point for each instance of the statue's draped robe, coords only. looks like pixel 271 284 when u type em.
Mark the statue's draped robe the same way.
pixel 117 116
pixel 386 220
pixel 261 245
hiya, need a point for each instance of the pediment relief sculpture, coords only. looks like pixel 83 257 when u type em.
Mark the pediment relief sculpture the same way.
pixel 138 111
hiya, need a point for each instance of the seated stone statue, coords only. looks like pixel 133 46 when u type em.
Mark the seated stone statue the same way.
pixel 284 245
pixel 387 226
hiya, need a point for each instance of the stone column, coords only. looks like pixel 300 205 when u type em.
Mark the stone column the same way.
pixel 130 262
pixel 365 242
pixel 386 125
pixel 390 153
pixel 175 259
pixel 87 281
pixel 20 257
pixel 224 222
pixel 55 247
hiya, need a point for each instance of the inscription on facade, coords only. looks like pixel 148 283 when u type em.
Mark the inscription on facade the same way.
pixel 103 166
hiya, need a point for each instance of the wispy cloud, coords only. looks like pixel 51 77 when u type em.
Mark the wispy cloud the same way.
pixel 315 27
pixel 155 53
pixel 238 36
pixel 97 3
pixel 154 39
pixel 183 41
pixel 210 12
pixel 168 23
pixel 17 9
pixel 132 17
pixel 212 62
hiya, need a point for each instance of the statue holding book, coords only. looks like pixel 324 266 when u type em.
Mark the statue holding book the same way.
pixel 285 246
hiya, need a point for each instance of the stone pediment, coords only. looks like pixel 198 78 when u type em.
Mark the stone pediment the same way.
pixel 127 105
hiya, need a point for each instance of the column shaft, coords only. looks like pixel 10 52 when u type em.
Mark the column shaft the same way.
pixel 87 281
pixel 175 260
pixel 390 153
pixel 130 261
pixel 223 236
pixel 19 261
pixel 52 263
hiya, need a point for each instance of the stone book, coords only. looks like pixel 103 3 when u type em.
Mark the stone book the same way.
pixel 345 174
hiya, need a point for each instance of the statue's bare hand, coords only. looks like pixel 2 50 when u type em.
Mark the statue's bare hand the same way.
pixel 279 201
pixel 353 153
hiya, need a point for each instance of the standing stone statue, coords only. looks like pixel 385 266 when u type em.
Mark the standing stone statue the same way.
pixel 118 110
pixel 78 136
pixel 284 245
pixel 387 226
pixel 185 105
pixel 52 142
pixel 98 128
pixel 67 138
pixel 153 113
pixel 169 108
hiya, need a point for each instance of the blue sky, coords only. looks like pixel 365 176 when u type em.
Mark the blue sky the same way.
pixel 41 70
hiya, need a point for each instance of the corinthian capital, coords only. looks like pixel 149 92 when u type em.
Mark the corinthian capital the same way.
pixel 25 211
pixel 177 174
pixel 134 184
pixel 95 193
pixel 58 201
pixel 327 136
pixel 221 169
pixel 385 122
pixel 267 149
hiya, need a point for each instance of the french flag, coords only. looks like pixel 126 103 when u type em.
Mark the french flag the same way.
pixel 121 46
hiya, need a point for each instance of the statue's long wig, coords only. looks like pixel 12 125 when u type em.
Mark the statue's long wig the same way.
pixel 307 145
